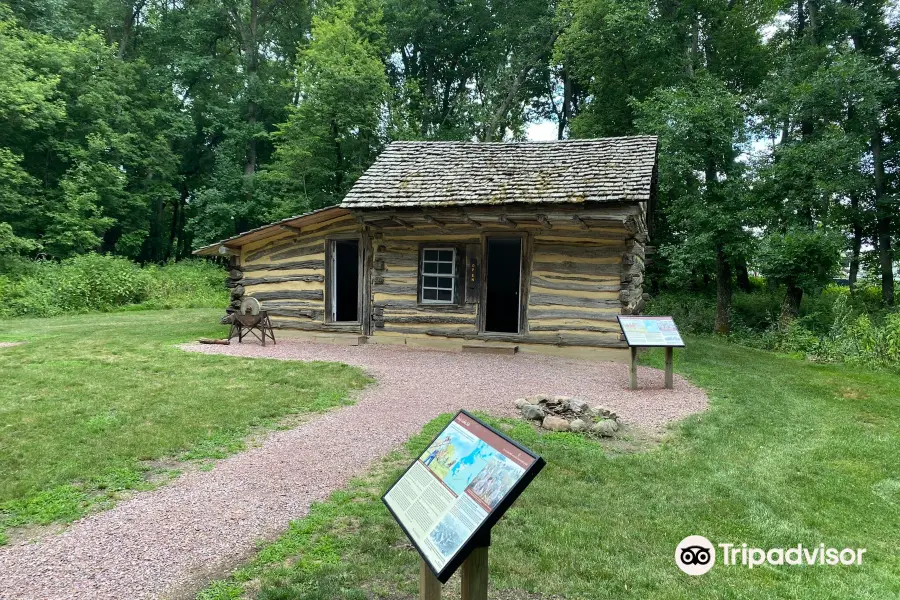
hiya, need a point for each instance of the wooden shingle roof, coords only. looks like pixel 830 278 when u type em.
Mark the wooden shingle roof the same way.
pixel 471 173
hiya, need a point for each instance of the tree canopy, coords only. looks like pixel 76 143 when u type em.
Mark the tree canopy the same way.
pixel 144 128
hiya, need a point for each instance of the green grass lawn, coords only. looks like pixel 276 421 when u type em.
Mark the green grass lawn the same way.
pixel 97 404
pixel 790 452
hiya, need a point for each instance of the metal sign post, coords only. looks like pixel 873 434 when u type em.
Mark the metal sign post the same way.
pixel 649 332
pixel 448 500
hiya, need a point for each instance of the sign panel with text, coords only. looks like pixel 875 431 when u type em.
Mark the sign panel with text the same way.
pixel 449 498
pixel 650 331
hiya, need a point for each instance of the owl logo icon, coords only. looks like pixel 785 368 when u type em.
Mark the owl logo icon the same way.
pixel 695 555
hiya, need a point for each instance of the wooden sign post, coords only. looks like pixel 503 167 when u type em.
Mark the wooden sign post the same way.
pixel 650 332
pixel 448 500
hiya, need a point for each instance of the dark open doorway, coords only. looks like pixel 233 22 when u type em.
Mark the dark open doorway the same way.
pixel 504 268
pixel 345 285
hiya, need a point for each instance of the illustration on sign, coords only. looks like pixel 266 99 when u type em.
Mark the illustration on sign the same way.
pixel 650 331
pixel 462 483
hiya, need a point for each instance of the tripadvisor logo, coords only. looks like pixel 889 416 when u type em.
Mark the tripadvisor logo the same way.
pixel 696 555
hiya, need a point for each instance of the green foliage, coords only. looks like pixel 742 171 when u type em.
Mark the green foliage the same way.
pixel 803 259
pixel 187 284
pixel 834 326
pixel 94 282
pixel 334 131
pixel 701 127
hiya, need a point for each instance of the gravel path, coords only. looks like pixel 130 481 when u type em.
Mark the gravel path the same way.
pixel 174 537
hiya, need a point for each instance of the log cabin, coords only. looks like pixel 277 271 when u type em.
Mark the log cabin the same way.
pixel 532 246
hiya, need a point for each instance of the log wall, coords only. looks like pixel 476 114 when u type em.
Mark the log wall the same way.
pixel 579 272
pixel 286 273
pixel 581 268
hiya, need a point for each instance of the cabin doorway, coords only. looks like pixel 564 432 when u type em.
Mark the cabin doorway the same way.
pixel 344 280
pixel 503 305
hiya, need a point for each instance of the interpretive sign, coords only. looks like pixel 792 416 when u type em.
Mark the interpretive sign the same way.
pixel 449 498
pixel 650 331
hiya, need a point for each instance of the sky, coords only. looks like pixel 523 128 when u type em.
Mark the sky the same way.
pixel 541 131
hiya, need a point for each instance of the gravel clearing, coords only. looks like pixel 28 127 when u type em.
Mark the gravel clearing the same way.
pixel 172 539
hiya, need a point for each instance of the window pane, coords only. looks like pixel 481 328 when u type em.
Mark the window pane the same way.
pixel 445 268
pixel 430 267
pixel 430 282
pixel 445 295
pixel 431 255
pixel 445 282
pixel 447 255
pixel 429 294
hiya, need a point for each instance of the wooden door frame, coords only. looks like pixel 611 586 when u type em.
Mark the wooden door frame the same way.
pixel 525 240
pixel 361 292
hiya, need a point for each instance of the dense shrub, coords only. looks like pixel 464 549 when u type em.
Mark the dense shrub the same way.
pixel 187 284
pixel 94 282
pixel 834 326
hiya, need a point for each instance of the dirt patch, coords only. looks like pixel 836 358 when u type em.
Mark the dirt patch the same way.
pixel 10 344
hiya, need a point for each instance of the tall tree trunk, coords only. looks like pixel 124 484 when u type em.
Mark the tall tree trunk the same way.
pixel 131 15
pixel 563 120
pixel 742 275
pixel 339 161
pixel 251 50
pixel 724 291
pixel 856 244
pixel 790 306
pixel 883 215
pixel 174 230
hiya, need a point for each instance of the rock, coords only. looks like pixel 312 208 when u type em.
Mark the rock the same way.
pixel 602 412
pixel 578 406
pixel 578 425
pixel 538 398
pixel 237 291
pixel 606 428
pixel 522 402
pixel 555 423
pixel 532 412
pixel 505 427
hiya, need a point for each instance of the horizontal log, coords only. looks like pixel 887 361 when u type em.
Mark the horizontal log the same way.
pixel 429 319
pixel 298 251
pixel 399 259
pixel 314 326
pixel 274 246
pixel 561 313
pixel 577 268
pixel 619 235
pixel 288 266
pixel 565 284
pixel 282 279
pixel 560 300
pixel 559 339
pixel 576 252
pixel 395 290
pixel 413 305
pixel 600 329
pixel 290 295
pixel 315 315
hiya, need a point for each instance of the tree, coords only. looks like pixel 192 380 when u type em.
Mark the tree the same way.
pixel 802 261
pixel 701 131
pixel 336 129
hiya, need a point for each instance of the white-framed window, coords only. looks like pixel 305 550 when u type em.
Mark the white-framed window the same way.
pixel 438 275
